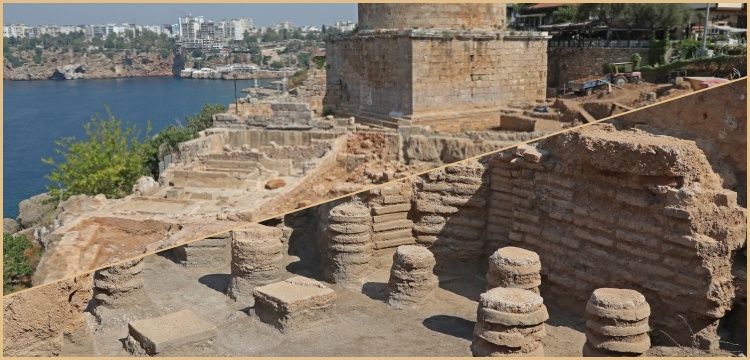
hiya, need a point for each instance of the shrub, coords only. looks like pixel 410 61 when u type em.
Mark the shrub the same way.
pixel 108 163
pixel 17 269
pixel 636 59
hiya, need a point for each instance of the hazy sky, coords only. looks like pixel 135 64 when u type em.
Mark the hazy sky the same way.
pixel 167 13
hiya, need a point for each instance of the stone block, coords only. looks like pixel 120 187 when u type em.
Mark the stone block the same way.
pixel 294 303
pixel 156 335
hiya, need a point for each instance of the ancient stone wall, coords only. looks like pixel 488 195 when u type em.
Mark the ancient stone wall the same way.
pixel 369 76
pixel 714 120
pixel 459 16
pixel 451 81
pixel 570 63
pixel 36 323
pixel 449 212
pixel 607 208
pixel 466 75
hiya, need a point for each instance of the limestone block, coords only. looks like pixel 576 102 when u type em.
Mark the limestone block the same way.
pixel 294 303
pixel 154 336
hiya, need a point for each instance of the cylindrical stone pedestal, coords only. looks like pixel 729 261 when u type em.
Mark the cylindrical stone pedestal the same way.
pixel 349 244
pixel 412 281
pixel 510 322
pixel 512 267
pixel 617 323
pixel 119 285
pixel 256 260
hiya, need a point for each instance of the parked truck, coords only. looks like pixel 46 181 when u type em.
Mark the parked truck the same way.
pixel 621 74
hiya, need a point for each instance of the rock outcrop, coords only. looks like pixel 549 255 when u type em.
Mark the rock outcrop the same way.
pixel 70 66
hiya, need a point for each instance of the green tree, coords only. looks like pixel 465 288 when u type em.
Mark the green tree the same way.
pixel 108 163
pixel 277 65
pixel 565 14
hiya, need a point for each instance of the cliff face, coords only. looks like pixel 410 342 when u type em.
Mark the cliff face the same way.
pixel 69 66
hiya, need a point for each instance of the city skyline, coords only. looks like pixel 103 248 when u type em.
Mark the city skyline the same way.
pixel 264 15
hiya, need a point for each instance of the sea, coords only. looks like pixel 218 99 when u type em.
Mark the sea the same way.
pixel 38 113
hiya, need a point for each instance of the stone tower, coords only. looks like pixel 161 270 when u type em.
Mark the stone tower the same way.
pixel 450 66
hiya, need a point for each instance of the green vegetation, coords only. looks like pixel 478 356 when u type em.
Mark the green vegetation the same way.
pixel 297 79
pixel 114 157
pixel 108 163
pixel 637 15
pixel 277 65
pixel 716 66
pixel 657 50
pixel 689 48
pixel 636 59
pixel 166 141
pixel 565 14
pixel 18 256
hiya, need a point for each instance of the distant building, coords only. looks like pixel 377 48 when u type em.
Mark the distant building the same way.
pixel 346 25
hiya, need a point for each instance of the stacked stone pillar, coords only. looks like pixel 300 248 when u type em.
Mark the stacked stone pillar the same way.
pixel 118 285
pixel 450 212
pixel 412 282
pixel 349 244
pixel 119 288
pixel 510 322
pixel 617 323
pixel 257 259
pixel 514 267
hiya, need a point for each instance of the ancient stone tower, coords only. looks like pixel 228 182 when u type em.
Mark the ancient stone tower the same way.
pixel 450 66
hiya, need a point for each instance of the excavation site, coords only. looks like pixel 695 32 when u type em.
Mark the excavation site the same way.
pixel 621 238
pixel 404 94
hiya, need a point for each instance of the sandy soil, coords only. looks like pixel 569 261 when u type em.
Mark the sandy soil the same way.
pixel 363 324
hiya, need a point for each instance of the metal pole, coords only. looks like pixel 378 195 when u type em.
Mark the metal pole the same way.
pixel 236 106
pixel 705 30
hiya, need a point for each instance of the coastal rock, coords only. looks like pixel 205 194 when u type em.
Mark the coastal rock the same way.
pixel 10 226
pixel 35 210
pixel 64 65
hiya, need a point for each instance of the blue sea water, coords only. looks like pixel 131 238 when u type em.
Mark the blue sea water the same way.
pixel 37 113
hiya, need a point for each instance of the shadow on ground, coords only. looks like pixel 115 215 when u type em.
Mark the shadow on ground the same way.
pixel 450 325
pixel 218 282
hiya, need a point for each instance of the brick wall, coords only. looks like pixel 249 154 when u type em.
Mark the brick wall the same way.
pixel 570 63
pixel 623 209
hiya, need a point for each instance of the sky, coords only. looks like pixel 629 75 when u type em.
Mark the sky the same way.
pixel 167 13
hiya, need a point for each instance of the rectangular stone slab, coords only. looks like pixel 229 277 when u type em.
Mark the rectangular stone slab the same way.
pixel 170 331
pixel 294 303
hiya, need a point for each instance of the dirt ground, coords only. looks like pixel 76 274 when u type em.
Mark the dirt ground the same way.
pixel 363 324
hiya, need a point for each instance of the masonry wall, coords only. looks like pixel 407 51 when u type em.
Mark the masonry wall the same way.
pixel 571 63
pixel 474 74
pixel 623 209
pixel 458 16
pixel 369 76
pixel 448 212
